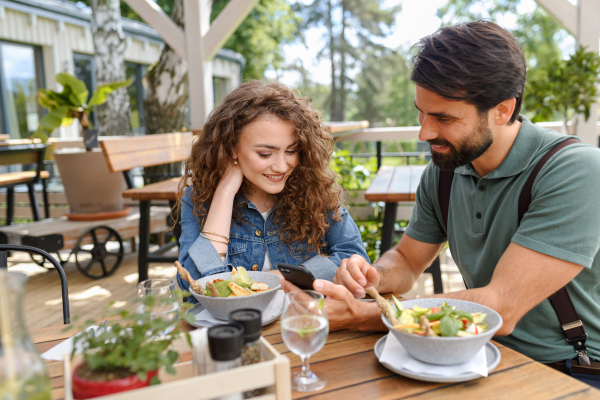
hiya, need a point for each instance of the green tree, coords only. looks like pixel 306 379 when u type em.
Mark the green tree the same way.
pixel 351 27
pixel 262 35
pixel 539 35
pixel 385 93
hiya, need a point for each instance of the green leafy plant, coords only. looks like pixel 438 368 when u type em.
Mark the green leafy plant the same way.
pixel 71 103
pixel 132 344
pixel 567 88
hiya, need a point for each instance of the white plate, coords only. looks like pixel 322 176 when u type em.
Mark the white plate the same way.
pixel 198 308
pixel 491 352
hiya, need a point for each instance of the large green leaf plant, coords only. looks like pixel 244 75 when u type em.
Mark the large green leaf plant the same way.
pixel 71 103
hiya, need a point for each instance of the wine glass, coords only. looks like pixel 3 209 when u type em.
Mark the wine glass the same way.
pixel 304 329
pixel 157 299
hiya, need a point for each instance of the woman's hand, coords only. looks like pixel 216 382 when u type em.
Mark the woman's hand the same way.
pixel 232 179
pixel 343 310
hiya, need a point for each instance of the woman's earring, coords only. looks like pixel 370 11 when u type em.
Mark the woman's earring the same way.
pixel 235 162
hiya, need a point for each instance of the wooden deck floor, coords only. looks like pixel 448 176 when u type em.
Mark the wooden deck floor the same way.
pixel 42 304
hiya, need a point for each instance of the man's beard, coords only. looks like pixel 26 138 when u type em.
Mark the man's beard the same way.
pixel 477 142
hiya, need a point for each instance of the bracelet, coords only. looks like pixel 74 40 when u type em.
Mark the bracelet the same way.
pixel 218 234
pixel 214 240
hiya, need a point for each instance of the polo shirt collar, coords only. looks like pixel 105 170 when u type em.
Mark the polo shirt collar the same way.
pixel 528 141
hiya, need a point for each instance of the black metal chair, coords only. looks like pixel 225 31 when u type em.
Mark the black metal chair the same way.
pixel 61 272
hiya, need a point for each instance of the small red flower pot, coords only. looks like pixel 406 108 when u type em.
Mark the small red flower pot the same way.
pixel 86 389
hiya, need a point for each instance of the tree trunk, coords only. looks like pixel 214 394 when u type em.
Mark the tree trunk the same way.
pixel 166 85
pixel 109 44
pixel 333 104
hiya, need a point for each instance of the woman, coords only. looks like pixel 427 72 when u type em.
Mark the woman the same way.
pixel 261 190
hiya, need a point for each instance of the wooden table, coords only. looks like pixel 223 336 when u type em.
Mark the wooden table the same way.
pixel 165 190
pixel 399 184
pixel 354 372
pixel 392 185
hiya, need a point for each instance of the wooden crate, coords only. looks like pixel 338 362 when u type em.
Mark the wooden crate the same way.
pixel 273 373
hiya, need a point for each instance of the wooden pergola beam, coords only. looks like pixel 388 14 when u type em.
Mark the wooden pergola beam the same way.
pixel 562 11
pixel 172 34
pixel 198 45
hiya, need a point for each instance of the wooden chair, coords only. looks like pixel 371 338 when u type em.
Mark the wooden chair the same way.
pixel 24 154
pixel 124 154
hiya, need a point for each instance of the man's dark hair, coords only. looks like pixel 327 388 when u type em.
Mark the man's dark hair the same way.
pixel 477 62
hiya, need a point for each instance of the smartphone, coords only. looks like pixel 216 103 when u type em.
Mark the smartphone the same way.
pixel 297 274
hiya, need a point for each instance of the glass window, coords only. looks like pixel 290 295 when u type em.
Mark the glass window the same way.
pixel 20 77
pixel 221 88
pixel 85 70
pixel 136 96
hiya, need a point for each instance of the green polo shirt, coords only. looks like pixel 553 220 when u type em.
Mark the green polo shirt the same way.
pixel 563 221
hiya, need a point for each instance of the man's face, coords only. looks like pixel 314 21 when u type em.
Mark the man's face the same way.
pixel 457 133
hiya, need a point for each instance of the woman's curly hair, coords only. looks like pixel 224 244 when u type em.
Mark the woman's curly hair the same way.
pixel 311 190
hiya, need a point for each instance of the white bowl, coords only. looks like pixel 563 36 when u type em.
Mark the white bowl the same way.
pixel 442 350
pixel 220 307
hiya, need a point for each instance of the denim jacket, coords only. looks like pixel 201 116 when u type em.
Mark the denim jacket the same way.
pixel 251 239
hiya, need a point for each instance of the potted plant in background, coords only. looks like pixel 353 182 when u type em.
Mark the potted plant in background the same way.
pixel 93 192
pixel 127 355
pixel 567 88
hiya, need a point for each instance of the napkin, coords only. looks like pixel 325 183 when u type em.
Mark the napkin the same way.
pixel 65 348
pixel 397 357
pixel 272 311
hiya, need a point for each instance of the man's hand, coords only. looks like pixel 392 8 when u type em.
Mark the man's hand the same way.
pixel 356 274
pixel 343 310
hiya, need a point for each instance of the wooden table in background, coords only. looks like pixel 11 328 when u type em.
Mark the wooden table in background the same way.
pixel 166 190
pixel 354 372
pixel 392 185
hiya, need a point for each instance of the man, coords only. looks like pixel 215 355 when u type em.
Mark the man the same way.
pixel 470 81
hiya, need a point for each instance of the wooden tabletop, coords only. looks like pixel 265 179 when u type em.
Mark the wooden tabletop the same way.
pixel 337 128
pixel 354 372
pixel 393 184
pixel 165 190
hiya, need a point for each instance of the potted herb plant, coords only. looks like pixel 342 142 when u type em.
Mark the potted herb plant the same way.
pixel 90 187
pixel 125 356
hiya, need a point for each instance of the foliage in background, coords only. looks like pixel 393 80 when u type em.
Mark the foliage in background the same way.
pixel 384 92
pixel 568 88
pixel 539 35
pixel 360 23
pixel 260 38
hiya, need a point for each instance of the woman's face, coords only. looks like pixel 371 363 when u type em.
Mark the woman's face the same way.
pixel 267 153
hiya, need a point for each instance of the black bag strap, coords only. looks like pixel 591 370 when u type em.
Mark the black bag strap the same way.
pixel 444 188
pixel 561 301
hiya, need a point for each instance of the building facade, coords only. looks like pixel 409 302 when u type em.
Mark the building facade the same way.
pixel 40 38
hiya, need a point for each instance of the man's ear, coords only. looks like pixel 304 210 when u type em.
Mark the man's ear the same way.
pixel 504 111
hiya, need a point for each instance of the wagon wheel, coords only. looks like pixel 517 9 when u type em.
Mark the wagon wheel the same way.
pixel 93 258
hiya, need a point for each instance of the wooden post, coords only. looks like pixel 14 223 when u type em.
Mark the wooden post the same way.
pixel 588 36
pixel 197 24
pixel 583 22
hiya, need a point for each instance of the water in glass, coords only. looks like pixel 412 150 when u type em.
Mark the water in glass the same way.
pixel 304 329
pixel 165 302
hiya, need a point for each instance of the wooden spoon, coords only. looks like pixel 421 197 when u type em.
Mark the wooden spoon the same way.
pixel 385 307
